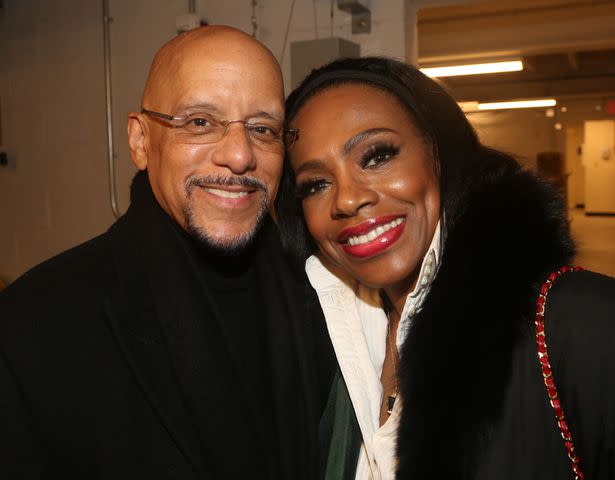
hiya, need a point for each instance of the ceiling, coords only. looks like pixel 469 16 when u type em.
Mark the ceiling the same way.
pixel 567 46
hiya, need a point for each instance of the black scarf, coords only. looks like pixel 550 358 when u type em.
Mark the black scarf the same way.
pixel 250 422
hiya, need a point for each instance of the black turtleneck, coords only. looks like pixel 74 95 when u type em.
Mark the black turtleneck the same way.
pixel 238 341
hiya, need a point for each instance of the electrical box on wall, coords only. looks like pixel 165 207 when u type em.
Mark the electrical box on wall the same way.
pixel 310 54
pixel 361 14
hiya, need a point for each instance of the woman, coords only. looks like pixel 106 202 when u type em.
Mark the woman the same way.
pixel 428 252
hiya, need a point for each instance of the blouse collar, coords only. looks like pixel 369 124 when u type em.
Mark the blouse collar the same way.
pixel 324 277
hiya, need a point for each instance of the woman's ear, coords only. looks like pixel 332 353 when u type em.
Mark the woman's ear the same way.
pixel 137 139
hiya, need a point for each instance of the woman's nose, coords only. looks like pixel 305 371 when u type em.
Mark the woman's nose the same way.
pixel 351 196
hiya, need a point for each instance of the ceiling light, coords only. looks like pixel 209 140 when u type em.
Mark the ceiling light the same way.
pixel 543 102
pixel 473 69
pixel 468 106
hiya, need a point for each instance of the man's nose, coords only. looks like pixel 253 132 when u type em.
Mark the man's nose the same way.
pixel 351 195
pixel 235 150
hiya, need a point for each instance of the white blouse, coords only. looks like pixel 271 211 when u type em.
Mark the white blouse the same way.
pixel 358 327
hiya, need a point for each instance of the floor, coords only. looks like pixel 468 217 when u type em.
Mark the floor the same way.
pixel 595 238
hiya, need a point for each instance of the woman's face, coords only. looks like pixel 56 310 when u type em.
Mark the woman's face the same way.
pixel 368 185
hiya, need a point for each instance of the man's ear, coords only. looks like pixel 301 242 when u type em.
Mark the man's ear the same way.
pixel 137 140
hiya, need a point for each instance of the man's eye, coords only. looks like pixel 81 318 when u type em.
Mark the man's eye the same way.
pixel 263 132
pixel 198 123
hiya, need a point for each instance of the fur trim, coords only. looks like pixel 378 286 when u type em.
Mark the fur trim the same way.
pixel 456 360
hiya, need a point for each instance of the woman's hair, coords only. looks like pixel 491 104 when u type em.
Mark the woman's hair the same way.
pixel 458 155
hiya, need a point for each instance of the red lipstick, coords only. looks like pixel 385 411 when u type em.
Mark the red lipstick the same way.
pixel 376 245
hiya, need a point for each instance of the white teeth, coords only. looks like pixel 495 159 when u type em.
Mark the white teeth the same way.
pixel 376 232
pixel 226 193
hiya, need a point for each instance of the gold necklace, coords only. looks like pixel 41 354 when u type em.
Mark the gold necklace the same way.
pixel 391 398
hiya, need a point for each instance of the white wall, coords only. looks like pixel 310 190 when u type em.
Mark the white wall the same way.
pixel 523 133
pixel 139 28
pixel 51 86
pixel 387 36
pixel 53 104
pixel 599 162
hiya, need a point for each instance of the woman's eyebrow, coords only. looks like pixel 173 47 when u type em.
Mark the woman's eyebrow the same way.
pixel 346 149
pixel 309 165
pixel 360 137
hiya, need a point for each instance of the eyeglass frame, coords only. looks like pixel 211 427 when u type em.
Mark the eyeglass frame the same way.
pixel 288 135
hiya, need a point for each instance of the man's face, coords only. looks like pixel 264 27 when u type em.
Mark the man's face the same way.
pixel 220 191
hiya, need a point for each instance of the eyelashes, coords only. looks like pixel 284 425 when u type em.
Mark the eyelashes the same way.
pixel 373 157
pixel 310 187
pixel 378 154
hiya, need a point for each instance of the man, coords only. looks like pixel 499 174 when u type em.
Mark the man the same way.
pixel 178 344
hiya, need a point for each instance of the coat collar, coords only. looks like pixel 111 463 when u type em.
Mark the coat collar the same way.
pixel 156 311
pixel 162 316
pixel 141 333
pixel 457 358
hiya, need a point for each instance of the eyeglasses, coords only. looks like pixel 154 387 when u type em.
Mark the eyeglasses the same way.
pixel 201 128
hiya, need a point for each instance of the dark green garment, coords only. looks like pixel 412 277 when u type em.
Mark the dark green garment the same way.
pixel 340 435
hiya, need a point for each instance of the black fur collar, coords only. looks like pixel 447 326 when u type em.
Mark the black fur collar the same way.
pixel 456 360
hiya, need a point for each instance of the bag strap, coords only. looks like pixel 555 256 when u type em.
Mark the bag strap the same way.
pixel 547 372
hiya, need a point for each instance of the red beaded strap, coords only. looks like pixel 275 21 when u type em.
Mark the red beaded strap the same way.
pixel 547 373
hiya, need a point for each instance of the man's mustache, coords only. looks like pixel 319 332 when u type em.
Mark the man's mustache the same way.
pixel 226 181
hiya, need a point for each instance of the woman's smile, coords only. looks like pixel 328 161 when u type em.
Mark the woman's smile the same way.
pixel 372 236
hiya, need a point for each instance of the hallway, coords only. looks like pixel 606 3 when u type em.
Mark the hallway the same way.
pixel 595 239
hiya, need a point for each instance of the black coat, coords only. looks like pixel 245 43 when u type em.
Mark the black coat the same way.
pixel 475 405
pixel 102 356
pixel 474 401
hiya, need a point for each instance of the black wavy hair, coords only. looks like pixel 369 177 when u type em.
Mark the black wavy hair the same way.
pixel 459 157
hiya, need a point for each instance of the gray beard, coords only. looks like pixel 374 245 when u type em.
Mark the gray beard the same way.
pixel 238 243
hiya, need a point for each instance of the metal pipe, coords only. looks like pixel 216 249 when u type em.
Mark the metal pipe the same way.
pixel 110 145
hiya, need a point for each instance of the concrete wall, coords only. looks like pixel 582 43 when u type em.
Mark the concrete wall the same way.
pixel 523 133
pixel 53 122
